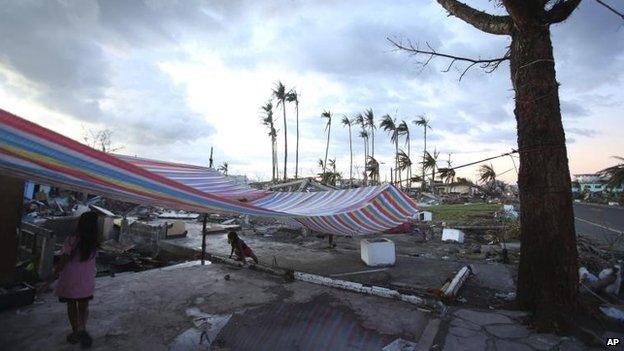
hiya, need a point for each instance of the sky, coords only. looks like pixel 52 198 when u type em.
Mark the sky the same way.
pixel 172 79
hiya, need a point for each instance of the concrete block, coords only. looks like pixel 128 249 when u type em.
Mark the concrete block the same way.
pixel 377 252
pixel 425 216
pixel 452 235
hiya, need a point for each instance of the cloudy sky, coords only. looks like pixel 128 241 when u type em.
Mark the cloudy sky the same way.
pixel 173 78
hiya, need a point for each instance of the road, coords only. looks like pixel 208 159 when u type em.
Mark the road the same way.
pixel 602 223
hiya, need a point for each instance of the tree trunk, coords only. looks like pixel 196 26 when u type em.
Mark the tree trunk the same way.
pixel 373 141
pixel 547 220
pixel 365 160
pixel 327 146
pixel 409 170
pixel 285 140
pixel 350 160
pixel 424 157
pixel 297 146
pixel 396 158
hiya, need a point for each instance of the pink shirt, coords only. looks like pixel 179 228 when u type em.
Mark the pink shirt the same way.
pixel 77 279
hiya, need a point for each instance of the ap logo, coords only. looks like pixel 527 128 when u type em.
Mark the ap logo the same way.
pixel 613 341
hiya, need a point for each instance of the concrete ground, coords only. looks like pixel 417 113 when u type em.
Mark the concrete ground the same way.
pixel 414 270
pixel 229 308
pixel 167 309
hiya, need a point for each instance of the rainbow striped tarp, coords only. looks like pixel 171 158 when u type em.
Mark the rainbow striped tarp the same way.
pixel 32 152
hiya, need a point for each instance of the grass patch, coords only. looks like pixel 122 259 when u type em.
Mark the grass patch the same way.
pixel 461 213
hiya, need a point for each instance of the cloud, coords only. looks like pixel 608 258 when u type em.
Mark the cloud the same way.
pixel 174 78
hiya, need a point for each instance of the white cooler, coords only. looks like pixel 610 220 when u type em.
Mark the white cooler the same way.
pixel 377 252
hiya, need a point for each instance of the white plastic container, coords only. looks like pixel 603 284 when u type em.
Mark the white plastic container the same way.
pixel 377 252
pixel 452 235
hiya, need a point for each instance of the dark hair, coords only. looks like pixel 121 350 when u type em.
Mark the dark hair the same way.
pixel 232 236
pixel 87 233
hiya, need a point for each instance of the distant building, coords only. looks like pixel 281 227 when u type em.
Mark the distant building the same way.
pixel 456 188
pixel 593 183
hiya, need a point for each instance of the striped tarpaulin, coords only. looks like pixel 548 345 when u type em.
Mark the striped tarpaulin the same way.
pixel 32 152
pixel 205 179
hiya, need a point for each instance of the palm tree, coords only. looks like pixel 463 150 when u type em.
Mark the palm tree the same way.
pixel 224 168
pixel 347 122
pixel 615 174
pixel 292 96
pixel 487 175
pixel 369 119
pixel 389 125
pixel 404 130
pixel 430 163
pixel 328 177
pixel 448 173
pixel 405 163
pixel 327 114
pixel 423 121
pixel 359 120
pixel 279 92
pixel 267 121
pixel 364 136
pixel 372 166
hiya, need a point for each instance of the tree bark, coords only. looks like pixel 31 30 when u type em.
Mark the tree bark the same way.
pixel 547 275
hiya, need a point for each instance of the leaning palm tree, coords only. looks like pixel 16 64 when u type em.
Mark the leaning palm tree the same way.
pixel 487 175
pixel 404 130
pixel 369 119
pixel 423 121
pixel 328 115
pixel 347 122
pixel 447 174
pixel 405 163
pixel 372 166
pixel 292 96
pixel 614 174
pixel 389 125
pixel 430 163
pixel 267 120
pixel 279 92
pixel 224 168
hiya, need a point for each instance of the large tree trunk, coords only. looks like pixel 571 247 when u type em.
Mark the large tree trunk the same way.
pixel 547 276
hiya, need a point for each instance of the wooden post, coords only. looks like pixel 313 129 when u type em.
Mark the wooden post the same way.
pixel 11 202
pixel 203 256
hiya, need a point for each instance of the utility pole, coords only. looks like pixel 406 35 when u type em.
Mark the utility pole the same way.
pixel 210 159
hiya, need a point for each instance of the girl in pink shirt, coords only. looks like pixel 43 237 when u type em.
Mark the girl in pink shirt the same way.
pixel 76 276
